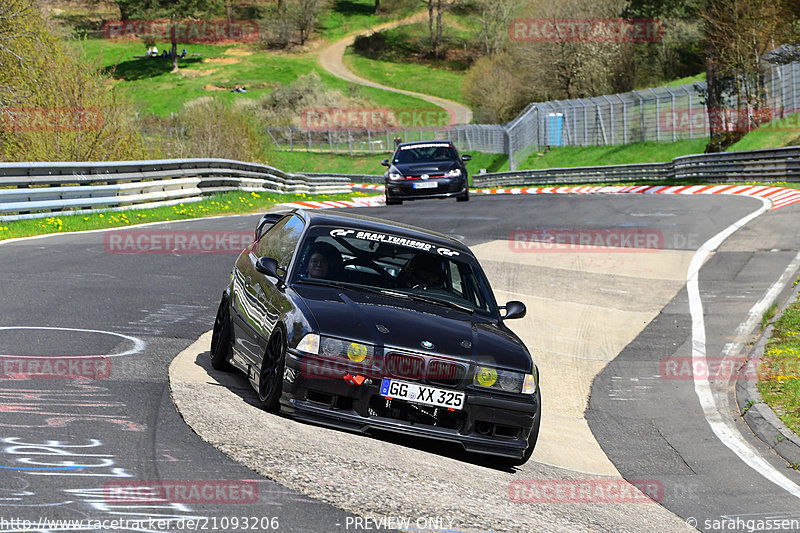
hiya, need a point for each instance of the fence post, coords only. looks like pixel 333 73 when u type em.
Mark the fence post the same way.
pixel 291 140
pixel 674 129
pixel 511 163
pixel 349 142
pixel 330 140
pixel 309 141
pixel 641 115
pixel 691 115
pixel 658 112
pixel 624 119
pixel 610 116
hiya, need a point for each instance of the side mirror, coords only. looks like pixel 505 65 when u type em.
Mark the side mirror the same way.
pixel 514 309
pixel 385 162
pixel 466 157
pixel 268 266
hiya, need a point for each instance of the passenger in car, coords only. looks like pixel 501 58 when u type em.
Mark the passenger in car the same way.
pixel 324 261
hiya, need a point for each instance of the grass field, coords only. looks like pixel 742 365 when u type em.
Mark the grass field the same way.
pixel 235 202
pixel 347 16
pixel 153 88
pixel 779 375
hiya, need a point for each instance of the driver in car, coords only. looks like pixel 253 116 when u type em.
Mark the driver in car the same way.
pixel 423 271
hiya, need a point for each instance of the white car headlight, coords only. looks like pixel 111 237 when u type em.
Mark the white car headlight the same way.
pixel 456 172
pixel 395 176
pixel 309 343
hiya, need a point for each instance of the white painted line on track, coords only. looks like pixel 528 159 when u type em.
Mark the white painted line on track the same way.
pixel 725 432
pixel 138 344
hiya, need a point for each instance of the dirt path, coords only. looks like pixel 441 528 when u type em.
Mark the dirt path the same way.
pixel 331 59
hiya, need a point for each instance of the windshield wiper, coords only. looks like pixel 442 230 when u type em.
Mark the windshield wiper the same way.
pixel 437 301
pixel 386 292
pixel 352 286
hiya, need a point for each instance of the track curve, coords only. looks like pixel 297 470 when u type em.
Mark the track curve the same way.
pixel 123 426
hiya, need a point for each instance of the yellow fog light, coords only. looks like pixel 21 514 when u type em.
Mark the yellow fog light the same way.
pixel 356 352
pixel 485 376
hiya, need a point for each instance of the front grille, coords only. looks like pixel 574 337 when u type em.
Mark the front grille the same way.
pixel 417 414
pixel 419 368
pixel 445 373
pixel 405 366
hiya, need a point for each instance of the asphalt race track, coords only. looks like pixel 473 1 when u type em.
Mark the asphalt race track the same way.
pixel 113 447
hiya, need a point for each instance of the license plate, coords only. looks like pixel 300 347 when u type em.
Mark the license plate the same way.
pixel 413 392
pixel 425 185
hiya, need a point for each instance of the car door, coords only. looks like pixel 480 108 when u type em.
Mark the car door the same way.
pixel 262 301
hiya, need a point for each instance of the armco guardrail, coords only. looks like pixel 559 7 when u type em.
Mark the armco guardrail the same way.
pixel 775 164
pixel 354 178
pixel 37 190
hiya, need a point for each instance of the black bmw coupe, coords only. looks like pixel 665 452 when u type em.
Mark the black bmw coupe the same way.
pixel 362 324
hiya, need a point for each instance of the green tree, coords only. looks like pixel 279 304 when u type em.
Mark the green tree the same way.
pixel 54 104
pixel 739 34
pixel 436 10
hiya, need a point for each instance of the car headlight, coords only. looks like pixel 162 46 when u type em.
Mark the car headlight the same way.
pixel 309 344
pixel 395 176
pixel 456 172
pixel 491 378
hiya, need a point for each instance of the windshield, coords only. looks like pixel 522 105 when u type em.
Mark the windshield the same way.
pixel 425 152
pixel 394 264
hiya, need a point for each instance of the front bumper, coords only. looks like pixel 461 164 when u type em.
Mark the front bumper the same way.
pixel 489 423
pixel 445 188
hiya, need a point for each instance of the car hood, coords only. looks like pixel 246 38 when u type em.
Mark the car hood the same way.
pixel 394 322
pixel 430 167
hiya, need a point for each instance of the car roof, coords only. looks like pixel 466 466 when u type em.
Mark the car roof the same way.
pixel 443 141
pixel 318 217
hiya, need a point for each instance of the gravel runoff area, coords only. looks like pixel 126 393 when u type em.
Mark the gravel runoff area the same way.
pixel 381 478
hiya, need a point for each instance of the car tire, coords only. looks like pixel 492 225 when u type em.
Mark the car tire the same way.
pixel 270 377
pixel 393 201
pixel 222 338
pixel 464 197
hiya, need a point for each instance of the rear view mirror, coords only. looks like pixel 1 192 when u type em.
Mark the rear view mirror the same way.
pixel 385 162
pixel 466 157
pixel 269 267
pixel 514 309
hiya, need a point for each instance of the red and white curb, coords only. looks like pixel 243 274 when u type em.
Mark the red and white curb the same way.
pixel 779 196
pixel 368 186
pixel 369 201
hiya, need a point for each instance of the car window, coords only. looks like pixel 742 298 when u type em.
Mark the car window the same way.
pixel 393 262
pixel 281 240
pixel 425 152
